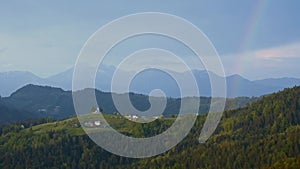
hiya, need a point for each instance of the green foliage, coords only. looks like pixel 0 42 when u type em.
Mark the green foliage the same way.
pixel 265 134
pixel 34 101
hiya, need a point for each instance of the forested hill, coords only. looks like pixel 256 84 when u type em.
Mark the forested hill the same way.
pixel 265 134
pixel 32 101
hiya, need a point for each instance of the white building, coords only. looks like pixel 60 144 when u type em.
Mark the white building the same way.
pixel 97 123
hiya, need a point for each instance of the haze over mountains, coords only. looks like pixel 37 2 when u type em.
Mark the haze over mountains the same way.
pixel 236 84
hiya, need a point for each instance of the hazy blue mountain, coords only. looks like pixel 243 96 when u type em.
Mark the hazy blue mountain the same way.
pixel 11 81
pixel 236 84
pixel 151 79
pixel 239 86
pixel 62 80
pixel 279 82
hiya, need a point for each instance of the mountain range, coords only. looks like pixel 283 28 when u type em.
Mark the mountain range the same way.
pixel 236 85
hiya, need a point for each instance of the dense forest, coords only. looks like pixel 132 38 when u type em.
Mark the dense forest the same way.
pixel 265 134
pixel 33 101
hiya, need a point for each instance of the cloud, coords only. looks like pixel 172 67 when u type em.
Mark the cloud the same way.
pixel 279 53
pixel 280 61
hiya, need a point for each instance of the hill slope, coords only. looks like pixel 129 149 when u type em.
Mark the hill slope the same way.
pixel 43 101
pixel 9 114
pixel 265 134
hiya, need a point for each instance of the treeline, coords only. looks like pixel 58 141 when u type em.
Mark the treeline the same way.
pixel 33 101
pixel 265 134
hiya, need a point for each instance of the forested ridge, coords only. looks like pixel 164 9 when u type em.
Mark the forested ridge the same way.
pixel 33 101
pixel 265 134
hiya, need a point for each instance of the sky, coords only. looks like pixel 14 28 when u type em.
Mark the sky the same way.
pixel 254 38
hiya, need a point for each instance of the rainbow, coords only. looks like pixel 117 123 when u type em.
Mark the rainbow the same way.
pixel 248 39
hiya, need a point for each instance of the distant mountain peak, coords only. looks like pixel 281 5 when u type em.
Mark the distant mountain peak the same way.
pixel 236 76
pixel 237 85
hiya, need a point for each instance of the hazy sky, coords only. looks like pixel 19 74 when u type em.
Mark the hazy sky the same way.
pixel 255 38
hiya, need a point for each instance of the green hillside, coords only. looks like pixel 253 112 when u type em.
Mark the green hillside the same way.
pixel 32 101
pixel 265 134
pixel 10 114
